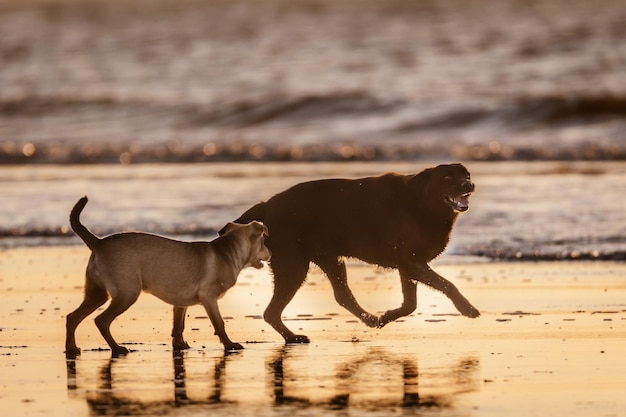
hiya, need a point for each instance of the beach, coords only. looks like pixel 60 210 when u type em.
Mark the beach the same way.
pixel 540 254
pixel 549 342
pixel 176 116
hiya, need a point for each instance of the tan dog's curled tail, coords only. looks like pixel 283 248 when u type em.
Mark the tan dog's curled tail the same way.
pixel 89 238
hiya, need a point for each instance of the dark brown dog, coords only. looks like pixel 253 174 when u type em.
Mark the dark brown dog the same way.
pixel 395 221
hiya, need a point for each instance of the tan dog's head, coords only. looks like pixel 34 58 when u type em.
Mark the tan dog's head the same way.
pixel 254 233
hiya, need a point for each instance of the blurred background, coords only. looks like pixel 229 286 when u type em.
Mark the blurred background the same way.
pixel 197 80
pixel 118 99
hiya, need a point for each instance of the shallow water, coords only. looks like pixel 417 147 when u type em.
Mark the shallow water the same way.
pixel 540 210
pixel 169 81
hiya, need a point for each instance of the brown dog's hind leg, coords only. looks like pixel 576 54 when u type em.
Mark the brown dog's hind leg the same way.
pixel 178 342
pixel 119 304
pixel 95 296
pixel 409 292
pixel 335 270
pixel 288 277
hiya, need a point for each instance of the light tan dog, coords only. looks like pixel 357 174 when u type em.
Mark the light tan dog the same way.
pixel 179 273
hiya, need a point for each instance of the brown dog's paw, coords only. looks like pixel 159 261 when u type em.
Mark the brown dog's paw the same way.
pixel 370 320
pixel 384 320
pixel 468 310
pixel 297 338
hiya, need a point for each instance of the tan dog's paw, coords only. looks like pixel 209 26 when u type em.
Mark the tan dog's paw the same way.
pixel 233 346
pixel 297 338
pixel 119 351
pixel 72 353
pixel 179 344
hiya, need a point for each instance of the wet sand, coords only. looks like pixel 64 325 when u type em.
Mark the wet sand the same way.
pixel 550 342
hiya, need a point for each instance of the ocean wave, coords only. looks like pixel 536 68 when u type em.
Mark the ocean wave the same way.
pixel 300 108
pixel 349 125
pixel 530 112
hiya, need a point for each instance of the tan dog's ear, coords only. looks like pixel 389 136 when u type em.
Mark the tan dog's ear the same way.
pixel 260 228
pixel 226 228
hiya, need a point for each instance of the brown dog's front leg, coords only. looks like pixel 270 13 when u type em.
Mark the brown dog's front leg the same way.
pixel 210 304
pixel 425 275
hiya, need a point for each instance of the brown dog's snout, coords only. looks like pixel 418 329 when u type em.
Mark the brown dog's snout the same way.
pixel 468 186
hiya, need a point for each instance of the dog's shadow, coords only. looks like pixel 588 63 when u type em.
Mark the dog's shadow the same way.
pixel 352 384
pixel 106 399
pixel 360 382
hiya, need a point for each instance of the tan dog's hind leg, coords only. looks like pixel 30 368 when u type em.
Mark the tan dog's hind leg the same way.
pixel 95 296
pixel 209 302
pixel 119 304
pixel 178 342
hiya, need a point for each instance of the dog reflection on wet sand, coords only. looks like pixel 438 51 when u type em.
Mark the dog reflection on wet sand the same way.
pixel 374 364
pixel 403 386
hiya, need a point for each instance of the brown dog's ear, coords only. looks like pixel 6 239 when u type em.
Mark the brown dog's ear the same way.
pixel 418 181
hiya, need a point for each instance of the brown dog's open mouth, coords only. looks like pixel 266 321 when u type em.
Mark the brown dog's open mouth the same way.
pixel 458 203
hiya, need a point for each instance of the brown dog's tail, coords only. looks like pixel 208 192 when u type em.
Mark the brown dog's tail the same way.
pixel 89 238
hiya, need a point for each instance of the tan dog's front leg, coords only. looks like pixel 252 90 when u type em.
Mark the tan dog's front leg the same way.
pixel 210 304
pixel 178 342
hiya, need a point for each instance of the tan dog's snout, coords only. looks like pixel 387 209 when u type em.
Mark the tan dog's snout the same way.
pixel 264 253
